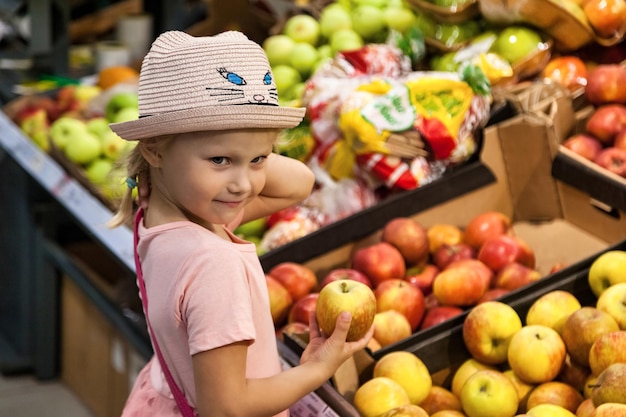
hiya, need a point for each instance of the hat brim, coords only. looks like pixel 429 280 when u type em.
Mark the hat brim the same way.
pixel 211 118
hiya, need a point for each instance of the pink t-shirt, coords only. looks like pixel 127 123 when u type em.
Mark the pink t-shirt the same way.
pixel 204 292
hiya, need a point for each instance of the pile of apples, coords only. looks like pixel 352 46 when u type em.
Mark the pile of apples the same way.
pixel 604 139
pixel 560 359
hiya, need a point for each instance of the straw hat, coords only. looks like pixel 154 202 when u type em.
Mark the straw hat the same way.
pixel 190 84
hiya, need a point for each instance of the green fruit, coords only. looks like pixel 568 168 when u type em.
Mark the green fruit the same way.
pixel 515 43
pixel 303 58
pixel 118 102
pixel 83 148
pixel 98 170
pixel 278 49
pixel 302 28
pixel 253 228
pixel 399 18
pixel 334 17
pixel 285 76
pixel 345 40
pixel 126 114
pixel 65 129
pixel 368 21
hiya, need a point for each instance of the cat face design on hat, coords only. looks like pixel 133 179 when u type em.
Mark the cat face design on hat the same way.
pixel 241 92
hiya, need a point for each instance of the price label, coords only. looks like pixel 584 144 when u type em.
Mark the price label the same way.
pixel 311 406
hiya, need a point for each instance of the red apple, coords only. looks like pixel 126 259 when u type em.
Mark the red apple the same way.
pixel 439 314
pixel 399 295
pixel 606 122
pixel 301 308
pixel 345 273
pixel 606 83
pixel 486 225
pixel 515 275
pixel 430 301
pixel 567 70
pixel 422 277
pixel 620 140
pixel 292 329
pixel 501 250
pixel 613 159
pixel 459 285
pixel 297 278
pixel 379 262
pixel 280 300
pixel 493 294
pixel 346 295
pixel 409 237
pixel 584 145
pixel 483 270
pixel 448 253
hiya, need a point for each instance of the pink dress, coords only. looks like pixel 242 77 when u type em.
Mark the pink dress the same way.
pixel 204 292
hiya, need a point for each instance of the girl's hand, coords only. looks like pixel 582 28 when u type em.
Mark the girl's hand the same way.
pixel 332 350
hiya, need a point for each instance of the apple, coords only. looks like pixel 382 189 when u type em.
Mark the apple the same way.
pixel 467 368
pixel 422 277
pixel 498 251
pixel 609 410
pixel 523 388
pixel 608 349
pixel 536 353
pixel 489 392
pixel 379 262
pixel 590 383
pixel 552 309
pixel 613 159
pixel 278 49
pixel 345 40
pixel 606 122
pixel 379 395
pixel 488 329
pixel 302 307
pixel 568 70
pixel 65 129
pixel 297 278
pixel 113 146
pixel 399 18
pixel 408 410
pixel 346 295
pixel 606 83
pixel 486 225
pixel 125 115
pixel 449 413
pixel 607 17
pixel 606 270
pixel 582 328
pixel 459 285
pixel 409 237
pixel 391 326
pixel 515 275
pixel 613 302
pixel 83 149
pixel 293 329
pixel 285 77
pixel 35 125
pixel 484 271
pixel 98 170
pixel 440 398
pixel 585 408
pixel 620 140
pixel 555 392
pixel 251 228
pixel 515 43
pixel 99 126
pixel 573 373
pixel 397 294
pixel 493 294
pixel 441 233
pixel 302 28
pixel 407 370
pixel 439 314
pixel 280 300
pixel 303 58
pixel 119 101
pixel 584 145
pixel 609 387
pixel 549 410
pixel 334 17
pixel 446 254
pixel 345 273
pixel 368 21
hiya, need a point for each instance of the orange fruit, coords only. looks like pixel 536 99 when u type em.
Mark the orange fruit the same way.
pixel 109 76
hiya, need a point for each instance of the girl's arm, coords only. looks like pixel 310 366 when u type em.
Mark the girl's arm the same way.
pixel 223 390
pixel 288 182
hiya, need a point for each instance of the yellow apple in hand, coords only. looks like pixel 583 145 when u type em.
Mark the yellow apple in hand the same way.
pixel 613 301
pixel 606 270
pixel 407 370
pixel 487 331
pixel 467 369
pixel 379 395
pixel 489 393
pixel 552 309
pixel 549 410
pixel 536 353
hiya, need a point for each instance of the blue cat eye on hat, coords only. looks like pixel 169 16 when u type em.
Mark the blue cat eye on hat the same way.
pixel 191 84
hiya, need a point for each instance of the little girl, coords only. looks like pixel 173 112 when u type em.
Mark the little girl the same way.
pixel 204 164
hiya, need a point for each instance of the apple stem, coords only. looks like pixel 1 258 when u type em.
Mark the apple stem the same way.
pixel 344 287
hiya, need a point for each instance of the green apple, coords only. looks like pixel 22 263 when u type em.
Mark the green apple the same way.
pixel 399 18
pixel 376 3
pixel 99 126
pixel 118 102
pixel 64 129
pixel 606 270
pixel 324 52
pixel 489 393
pixel 514 43
pixel 303 58
pixel 334 17
pixel 113 146
pixel 302 28
pixel 126 114
pixel 83 148
pixel 98 170
pixel 278 49
pixel 285 76
pixel 253 228
pixel 345 40
pixel 368 21
pixel 295 91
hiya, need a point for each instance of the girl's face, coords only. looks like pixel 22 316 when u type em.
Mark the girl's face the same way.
pixel 212 176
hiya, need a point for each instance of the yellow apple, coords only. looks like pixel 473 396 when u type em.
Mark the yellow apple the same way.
pixel 573 373
pixel 608 349
pixel 557 393
pixel 536 353
pixel 552 309
pixel 609 387
pixel 448 413
pixel 613 301
pixel 610 410
pixel 390 327
pixel 467 369
pixel 606 270
pixel 523 388
pixel 589 385
pixel 379 395
pixel 488 329
pixel 489 393
pixel 549 410
pixel 582 328
pixel 407 370
pixel 440 398
pixel 409 410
